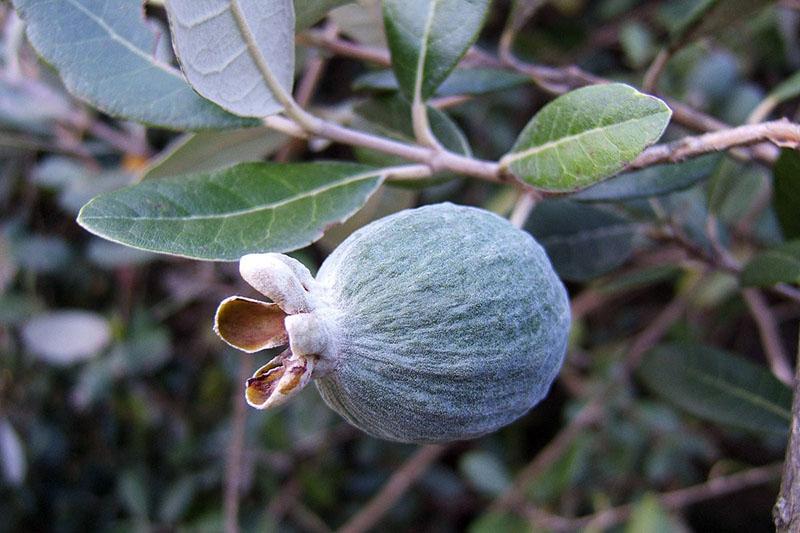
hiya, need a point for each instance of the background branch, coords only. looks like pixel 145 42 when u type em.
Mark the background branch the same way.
pixel 400 481
pixel 786 512
pixel 674 500
pixel 233 461
pixel 769 334
pixel 514 495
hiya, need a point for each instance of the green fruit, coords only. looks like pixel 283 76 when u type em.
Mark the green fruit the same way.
pixel 431 325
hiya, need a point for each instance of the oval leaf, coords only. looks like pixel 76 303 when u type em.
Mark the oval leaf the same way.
pixel 652 181
pixel 585 136
pixel 207 151
pixel 103 50
pixel 228 49
pixel 582 241
pixel 66 337
pixel 463 81
pixel 12 454
pixel 718 386
pixel 711 16
pixel 309 12
pixel 427 38
pixel 786 197
pixel 249 208
pixel 777 265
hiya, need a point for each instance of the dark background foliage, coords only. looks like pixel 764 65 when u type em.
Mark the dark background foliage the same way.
pixel 126 413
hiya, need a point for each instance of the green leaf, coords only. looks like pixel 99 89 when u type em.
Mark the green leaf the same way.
pixel 103 51
pixel 387 200
pixel 213 150
pixel 177 498
pixel 13 464
pixel 786 197
pixel 734 190
pixel 649 516
pixel 651 181
pixel 390 116
pixel 229 49
pixel 585 136
pixel 776 265
pixel 427 39
pixel 16 308
pixel 485 472
pixel 463 81
pixel 637 44
pixel 718 386
pixel 309 12
pixel 582 241
pixel 785 90
pixel 361 21
pixel 494 522
pixel 710 16
pixel 249 208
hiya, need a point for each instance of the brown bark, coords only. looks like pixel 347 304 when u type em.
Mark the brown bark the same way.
pixel 786 512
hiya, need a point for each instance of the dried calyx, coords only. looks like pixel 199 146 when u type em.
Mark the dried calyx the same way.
pixel 298 317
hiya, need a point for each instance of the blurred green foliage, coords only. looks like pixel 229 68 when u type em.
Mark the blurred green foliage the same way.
pixel 133 428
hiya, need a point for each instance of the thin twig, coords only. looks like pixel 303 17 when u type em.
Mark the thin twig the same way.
pixel 770 336
pixel 514 495
pixel 779 132
pixel 671 501
pixel 654 71
pixel 307 519
pixel 126 143
pixel 554 80
pixel 282 502
pixel 674 234
pixel 518 16
pixel 400 481
pixel 786 512
pixel 233 463
pixel 307 86
pixel 786 291
pixel 560 80
pixel 345 48
pixel 523 208
pixel 762 110
pixel 655 331
pixel 435 160
pixel 15 36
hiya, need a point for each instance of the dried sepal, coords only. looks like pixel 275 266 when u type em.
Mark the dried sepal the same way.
pixel 280 279
pixel 278 380
pixel 250 325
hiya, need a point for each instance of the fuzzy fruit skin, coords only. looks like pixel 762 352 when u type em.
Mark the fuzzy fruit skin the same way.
pixel 451 324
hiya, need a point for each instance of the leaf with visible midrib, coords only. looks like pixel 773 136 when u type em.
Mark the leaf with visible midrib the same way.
pixel 427 39
pixel 651 181
pixel 582 241
pixel 786 197
pixel 710 16
pixel 309 12
pixel 776 265
pixel 103 52
pixel 718 386
pixel 586 135
pixel 249 208
pixel 234 51
pixel 462 81
pixel 206 151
